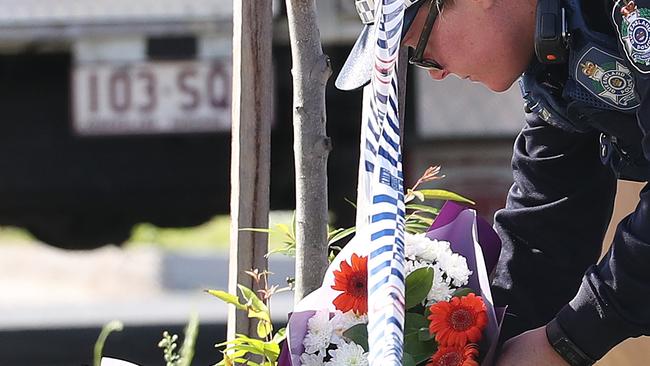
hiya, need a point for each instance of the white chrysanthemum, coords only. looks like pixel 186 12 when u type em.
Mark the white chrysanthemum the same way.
pixel 420 247
pixel 455 266
pixel 440 289
pixel 412 245
pixel 348 354
pixel 319 332
pixel 412 265
pixel 435 249
pixel 344 321
pixel 311 360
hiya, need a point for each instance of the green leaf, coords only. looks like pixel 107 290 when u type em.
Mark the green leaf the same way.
pixel 256 230
pixel 244 343
pixel 408 360
pixel 271 351
pixel 441 194
pixel 250 349
pixel 462 292
pixel 189 341
pixel 264 328
pixel 287 250
pixel 420 219
pixel 418 284
pixel 419 350
pixel 113 326
pixel 340 234
pixel 425 335
pixel 263 315
pixel 284 229
pixel 237 340
pixel 280 336
pixel 415 228
pixel 350 202
pixel 359 335
pixel 227 298
pixel 230 358
pixel 424 208
pixel 256 307
pixel 413 322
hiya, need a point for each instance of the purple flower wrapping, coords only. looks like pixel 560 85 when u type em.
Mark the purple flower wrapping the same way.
pixel 470 236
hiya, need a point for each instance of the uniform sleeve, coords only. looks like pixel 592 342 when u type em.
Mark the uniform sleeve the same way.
pixel 613 302
pixel 553 224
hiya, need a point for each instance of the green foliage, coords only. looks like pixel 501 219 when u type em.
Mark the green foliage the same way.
pixel 423 208
pixel 227 298
pixel 440 194
pixel 419 349
pixel 168 344
pixel 418 284
pixel 240 350
pixel 189 341
pixel 359 335
pixel 408 360
pixel 425 335
pixel 113 326
pixel 286 233
pixel 213 234
pixel 184 356
pixel 265 350
pixel 16 235
pixel 288 237
pixel 334 235
pixel 462 292
pixel 244 349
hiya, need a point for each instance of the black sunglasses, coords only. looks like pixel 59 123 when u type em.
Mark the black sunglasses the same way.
pixel 417 58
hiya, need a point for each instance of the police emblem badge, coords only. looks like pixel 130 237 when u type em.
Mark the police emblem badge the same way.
pixel 634 33
pixel 605 76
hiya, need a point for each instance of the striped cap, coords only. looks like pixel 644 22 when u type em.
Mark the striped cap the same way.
pixel 358 67
pixel 366 9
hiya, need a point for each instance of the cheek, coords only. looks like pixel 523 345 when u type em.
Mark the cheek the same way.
pixel 459 48
pixel 447 46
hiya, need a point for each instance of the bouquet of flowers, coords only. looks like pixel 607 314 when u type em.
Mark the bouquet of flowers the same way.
pixel 449 320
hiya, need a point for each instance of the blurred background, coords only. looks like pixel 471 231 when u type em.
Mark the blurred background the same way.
pixel 115 159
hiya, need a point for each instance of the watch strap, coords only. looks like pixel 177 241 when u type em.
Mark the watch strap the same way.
pixel 565 347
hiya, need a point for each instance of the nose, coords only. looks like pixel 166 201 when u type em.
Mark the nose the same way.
pixel 438 74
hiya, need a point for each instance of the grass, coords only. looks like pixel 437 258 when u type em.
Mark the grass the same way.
pixel 213 235
pixel 15 235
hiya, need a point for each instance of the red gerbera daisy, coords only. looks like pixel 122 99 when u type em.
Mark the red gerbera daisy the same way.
pixel 458 321
pixel 455 356
pixel 353 281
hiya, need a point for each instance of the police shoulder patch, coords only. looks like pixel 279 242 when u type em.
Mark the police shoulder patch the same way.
pixel 633 25
pixel 606 77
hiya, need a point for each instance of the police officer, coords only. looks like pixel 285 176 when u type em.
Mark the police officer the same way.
pixel 584 71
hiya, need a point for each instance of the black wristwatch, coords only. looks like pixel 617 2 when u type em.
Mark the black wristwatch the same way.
pixel 564 347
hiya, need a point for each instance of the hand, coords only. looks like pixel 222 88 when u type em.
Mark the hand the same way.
pixel 530 349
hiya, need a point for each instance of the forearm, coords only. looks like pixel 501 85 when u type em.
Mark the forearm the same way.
pixel 612 303
pixel 553 224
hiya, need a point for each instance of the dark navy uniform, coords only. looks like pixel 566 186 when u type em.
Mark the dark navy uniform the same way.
pixel 587 124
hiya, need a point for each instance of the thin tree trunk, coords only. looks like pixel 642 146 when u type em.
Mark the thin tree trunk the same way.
pixel 311 69
pixel 251 140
